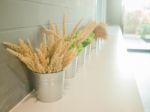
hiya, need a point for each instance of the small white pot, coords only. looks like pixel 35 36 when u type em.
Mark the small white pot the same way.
pixel 71 69
pixel 81 59
pixel 96 46
pixel 88 51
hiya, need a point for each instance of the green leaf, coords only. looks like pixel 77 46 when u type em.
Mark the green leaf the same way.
pixel 88 40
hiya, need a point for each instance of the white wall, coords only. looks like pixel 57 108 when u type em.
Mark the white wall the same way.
pixel 114 12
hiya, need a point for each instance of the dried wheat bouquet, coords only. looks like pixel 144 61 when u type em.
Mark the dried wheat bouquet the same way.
pixel 101 31
pixel 48 58
pixel 76 36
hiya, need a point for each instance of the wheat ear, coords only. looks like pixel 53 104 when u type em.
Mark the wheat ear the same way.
pixel 12 46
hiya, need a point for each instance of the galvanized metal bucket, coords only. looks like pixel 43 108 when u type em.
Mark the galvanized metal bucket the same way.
pixel 49 87
pixel 71 69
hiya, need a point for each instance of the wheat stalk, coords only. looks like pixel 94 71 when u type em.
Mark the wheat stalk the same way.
pixel 69 56
pixel 100 31
pixel 12 46
pixel 83 33
pixel 54 52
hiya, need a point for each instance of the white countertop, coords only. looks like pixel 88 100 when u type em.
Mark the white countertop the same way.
pixel 105 84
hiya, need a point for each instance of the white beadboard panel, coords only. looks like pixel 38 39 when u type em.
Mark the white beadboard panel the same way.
pixel 85 16
pixel 48 2
pixel 74 3
pixel 13 70
pixel 85 10
pixel 18 14
pixel 28 14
